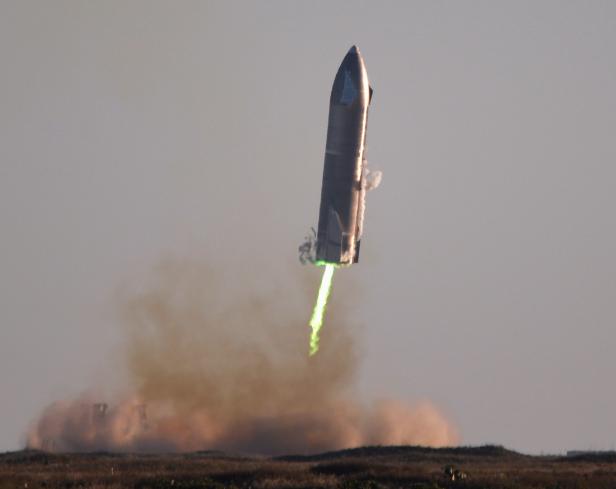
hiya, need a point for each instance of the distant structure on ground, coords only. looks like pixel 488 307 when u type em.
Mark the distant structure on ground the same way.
pixel 99 410
pixel 142 414
pixel 577 453
pixel 454 474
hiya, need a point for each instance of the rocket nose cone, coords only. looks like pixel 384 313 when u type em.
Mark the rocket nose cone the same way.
pixel 352 58
pixel 351 79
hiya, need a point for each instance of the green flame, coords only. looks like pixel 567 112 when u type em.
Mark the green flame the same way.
pixel 316 321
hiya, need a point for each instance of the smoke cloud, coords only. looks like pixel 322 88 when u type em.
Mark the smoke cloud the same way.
pixel 214 368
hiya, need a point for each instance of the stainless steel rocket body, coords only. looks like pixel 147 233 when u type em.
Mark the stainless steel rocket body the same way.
pixel 343 190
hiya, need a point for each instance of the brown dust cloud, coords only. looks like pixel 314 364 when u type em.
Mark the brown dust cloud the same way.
pixel 211 367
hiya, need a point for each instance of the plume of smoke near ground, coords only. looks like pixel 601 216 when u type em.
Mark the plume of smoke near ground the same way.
pixel 210 369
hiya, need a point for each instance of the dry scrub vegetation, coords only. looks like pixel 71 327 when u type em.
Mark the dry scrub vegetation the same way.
pixel 370 468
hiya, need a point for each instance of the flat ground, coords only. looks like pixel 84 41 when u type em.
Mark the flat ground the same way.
pixel 370 467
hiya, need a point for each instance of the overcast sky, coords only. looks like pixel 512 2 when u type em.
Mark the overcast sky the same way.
pixel 132 131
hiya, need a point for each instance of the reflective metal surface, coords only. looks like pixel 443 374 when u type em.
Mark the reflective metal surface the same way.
pixel 343 190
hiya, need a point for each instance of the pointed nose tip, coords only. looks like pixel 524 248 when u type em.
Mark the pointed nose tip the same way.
pixel 354 50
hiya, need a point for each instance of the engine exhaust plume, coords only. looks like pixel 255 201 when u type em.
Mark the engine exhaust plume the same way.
pixel 316 321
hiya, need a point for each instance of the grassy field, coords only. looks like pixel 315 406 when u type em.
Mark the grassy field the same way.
pixel 370 467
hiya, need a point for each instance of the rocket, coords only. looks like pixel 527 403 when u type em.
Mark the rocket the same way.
pixel 345 180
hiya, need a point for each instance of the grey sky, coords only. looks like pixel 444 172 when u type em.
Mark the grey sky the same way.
pixel 134 130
